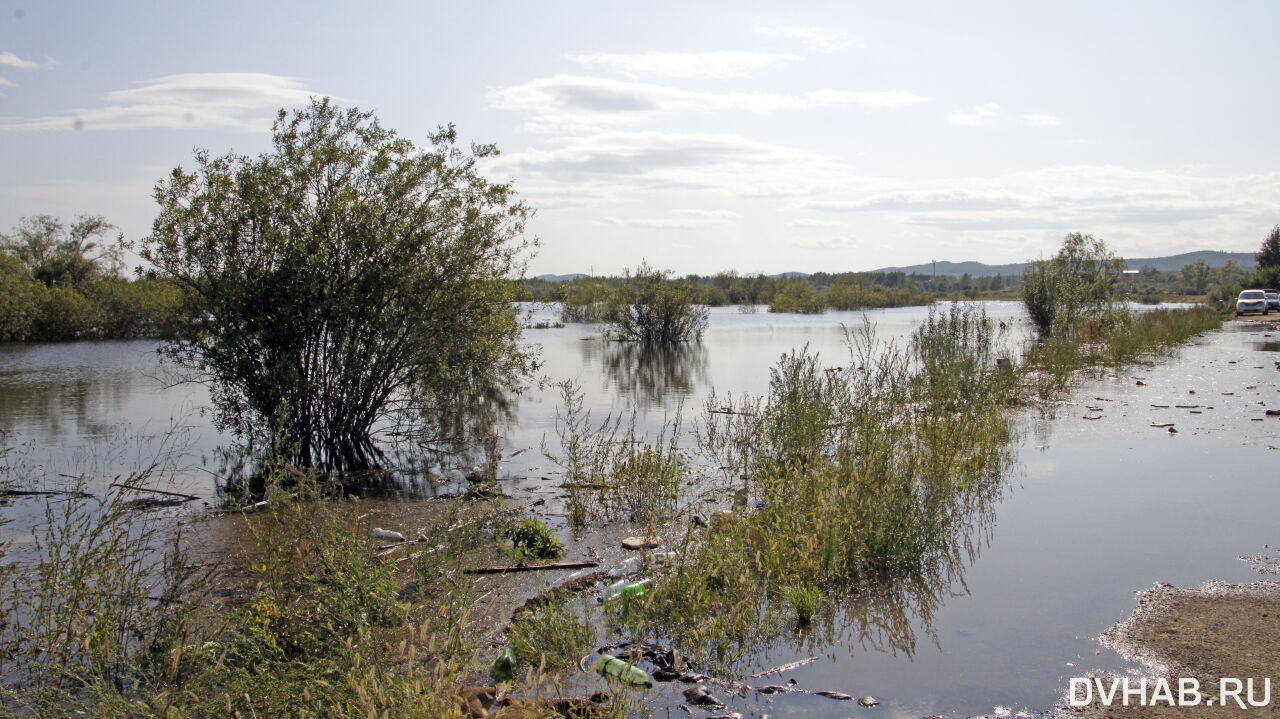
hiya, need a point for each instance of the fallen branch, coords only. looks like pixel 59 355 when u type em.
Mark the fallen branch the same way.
pixel 44 493
pixel 136 488
pixel 531 567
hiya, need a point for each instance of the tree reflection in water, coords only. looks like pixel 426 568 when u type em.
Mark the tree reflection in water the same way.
pixel 649 373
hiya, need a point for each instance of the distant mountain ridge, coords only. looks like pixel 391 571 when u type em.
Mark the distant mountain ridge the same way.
pixel 1171 263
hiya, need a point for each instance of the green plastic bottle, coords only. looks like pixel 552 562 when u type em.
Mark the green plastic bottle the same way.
pixel 504 666
pixel 634 590
pixel 622 671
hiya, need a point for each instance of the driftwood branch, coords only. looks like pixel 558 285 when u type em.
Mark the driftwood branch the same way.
pixel 531 567
pixel 44 493
pixel 136 488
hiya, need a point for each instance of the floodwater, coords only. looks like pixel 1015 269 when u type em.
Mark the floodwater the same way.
pixel 1099 505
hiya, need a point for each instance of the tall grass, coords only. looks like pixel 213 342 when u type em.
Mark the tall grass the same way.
pixel 881 468
pixel 611 471
pixel 1119 337
pixel 112 618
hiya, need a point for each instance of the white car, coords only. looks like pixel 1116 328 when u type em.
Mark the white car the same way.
pixel 1273 300
pixel 1252 301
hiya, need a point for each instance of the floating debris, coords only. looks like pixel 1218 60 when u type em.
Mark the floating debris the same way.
pixel 699 696
pixel 868 701
pixel 785 667
pixel 838 696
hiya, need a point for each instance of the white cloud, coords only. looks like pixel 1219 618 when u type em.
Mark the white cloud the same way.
pixel 677 220
pixel 228 99
pixel 972 196
pixel 814 37
pixel 975 116
pixel 574 102
pixel 720 65
pixel 811 222
pixel 1043 120
pixel 5 81
pixel 8 59
pixel 628 162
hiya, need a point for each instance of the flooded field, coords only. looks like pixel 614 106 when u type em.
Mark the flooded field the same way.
pixel 1155 473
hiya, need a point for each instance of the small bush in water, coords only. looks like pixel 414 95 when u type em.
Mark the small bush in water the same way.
pixel 531 538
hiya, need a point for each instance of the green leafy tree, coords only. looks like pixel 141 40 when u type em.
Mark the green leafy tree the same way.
pixel 1269 254
pixel 1079 282
pixel 343 283
pixel 20 298
pixel 57 255
pixel 1196 277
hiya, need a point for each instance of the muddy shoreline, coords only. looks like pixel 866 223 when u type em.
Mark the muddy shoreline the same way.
pixel 1212 634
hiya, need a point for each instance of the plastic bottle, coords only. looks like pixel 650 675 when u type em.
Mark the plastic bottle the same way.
pixel 626 567
pixel 504 666
pixel 635 590
pixel 625 672
pixel 624 588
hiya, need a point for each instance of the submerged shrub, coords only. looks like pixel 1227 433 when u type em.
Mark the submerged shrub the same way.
pixel 584 300
pixel 797 296
pixel 325 317
pixel 531 538
pixel 1079 282
pixel 651 308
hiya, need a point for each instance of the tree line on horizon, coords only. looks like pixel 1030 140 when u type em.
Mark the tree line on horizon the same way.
pixel 62 281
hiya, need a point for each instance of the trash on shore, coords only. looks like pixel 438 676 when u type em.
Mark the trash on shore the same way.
pixel 626 672
pixel 626 568
pixel 504 665
pixel 625 589
pixel 387 534
pixel 699 696
pixel 637 543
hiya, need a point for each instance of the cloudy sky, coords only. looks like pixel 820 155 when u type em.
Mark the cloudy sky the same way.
pixel 701 137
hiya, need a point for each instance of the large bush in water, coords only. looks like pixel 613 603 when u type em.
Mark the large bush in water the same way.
pixel 342 283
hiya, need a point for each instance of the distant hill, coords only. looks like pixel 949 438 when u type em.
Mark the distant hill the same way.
pixel 1172 263
pixel 560 278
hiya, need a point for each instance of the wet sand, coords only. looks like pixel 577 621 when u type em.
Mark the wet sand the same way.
pixel 1214 632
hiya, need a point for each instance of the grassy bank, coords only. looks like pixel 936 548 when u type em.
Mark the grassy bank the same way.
pixel 300 616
